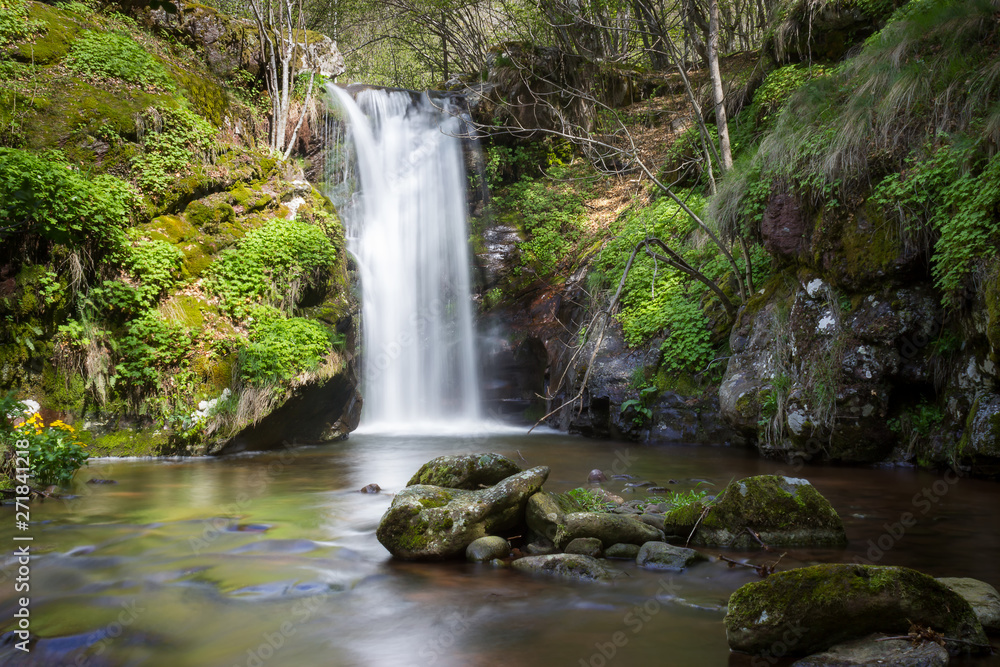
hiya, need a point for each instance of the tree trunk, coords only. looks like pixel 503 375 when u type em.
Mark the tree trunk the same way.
pixel 716 75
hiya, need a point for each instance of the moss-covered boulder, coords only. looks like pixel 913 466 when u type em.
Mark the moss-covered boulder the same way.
pixel 813 608
pixel 575 567
pixel 783 511
pixel 435 523
pixel 559 518
pixel 465 471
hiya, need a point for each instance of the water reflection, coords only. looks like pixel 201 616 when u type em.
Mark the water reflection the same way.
pixel 271 559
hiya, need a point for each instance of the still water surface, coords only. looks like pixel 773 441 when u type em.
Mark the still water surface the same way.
pixel 271 559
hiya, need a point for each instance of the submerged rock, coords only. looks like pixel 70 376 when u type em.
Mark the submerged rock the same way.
pixel 486 549
pixel 465 471
pixel 663 556
pixel 983 598
pixel 585 546
pixel 433 523
pixel 620 550
pixel 813 608
pixel 877 650
pixel 783 511
pixel 567 566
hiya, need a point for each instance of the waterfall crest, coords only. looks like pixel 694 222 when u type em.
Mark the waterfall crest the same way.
pixel 402 199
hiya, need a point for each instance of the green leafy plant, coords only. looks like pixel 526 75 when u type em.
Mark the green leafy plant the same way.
pixel 155 267
pixel 115 55
pixel 272 266
pixel 14 22
pixel 589 501
pixel 638 407
pixel 54 451
pixel 171 140
pixel 42 194
pixel 281 348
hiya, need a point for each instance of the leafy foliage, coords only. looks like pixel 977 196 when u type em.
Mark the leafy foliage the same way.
pixel 155 266
pixel 589 501
pixel 271 267
pixel 14 22
pixel 174 138
pixel 149 345
pixel 281 348
pixel 44 195
pixel 115 55
pixel 54 451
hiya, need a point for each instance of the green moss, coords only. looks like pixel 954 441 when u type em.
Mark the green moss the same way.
pixel 129 442
pixel 54 43
pixel 438 498
pixel 763 503
pixel 869 246
pixel 209 218
pixel 207 97
pixel 62 391
pixel 172 228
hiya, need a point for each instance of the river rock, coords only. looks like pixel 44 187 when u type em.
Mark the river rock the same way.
pixel 663 556
pixel 585 546
pixel 608 528
pixel 784 511
pixel 810 609
pixel 433 523
pixel 876 650
pixel 465 471
pixel 486 549
pixel 567 566
pixel 559 518
pixel 983 598
pixel 621 550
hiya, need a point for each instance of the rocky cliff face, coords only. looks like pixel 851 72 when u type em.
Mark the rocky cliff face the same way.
pixel 848 355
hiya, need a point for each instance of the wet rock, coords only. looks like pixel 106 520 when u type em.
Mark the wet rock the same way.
pixel 98 480
pixel 465 471
pixel 608 528
pixel 663 556
pixel 620 550
pixel 585 546
pixel 541 548
pixel 433 523
pixel 783 511
pixel 596 476
pixel 876 650
pixel 983 437
pixel 654 520
pixel 486 549
pixel 371 488
pixel 813 608
pixel 658 489
pixel 567 566
pixel 983 598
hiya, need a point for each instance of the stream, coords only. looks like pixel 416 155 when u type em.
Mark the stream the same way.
pixel 271 559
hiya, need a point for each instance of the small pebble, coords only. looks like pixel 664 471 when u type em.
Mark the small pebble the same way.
pixel 371 488
pixel 597 476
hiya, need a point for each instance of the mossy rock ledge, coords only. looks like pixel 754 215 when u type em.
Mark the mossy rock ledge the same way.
pixel 783 511
pixel 465 471
pixel 436 523
pixel 810 609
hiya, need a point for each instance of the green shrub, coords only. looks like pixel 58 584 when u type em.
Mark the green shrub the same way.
pixel 149 345
pixel 281 348
pixel 155 266
pixel 115 55
pixel 14 22
pixel 45 196
pixel 54 452
pixel 272 266
pixel 172 139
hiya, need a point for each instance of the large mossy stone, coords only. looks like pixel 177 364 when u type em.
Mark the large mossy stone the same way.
pixel 810 609
pixel 567 566
pixel 434 523
pixel 879 650
pixel 983 598
pixel 608 528
pixel 465 471
pixel 783 511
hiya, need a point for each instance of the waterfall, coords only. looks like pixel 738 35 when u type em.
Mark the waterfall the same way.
pixel 402 199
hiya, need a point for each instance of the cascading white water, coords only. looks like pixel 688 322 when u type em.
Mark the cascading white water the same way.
pixel 406 226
